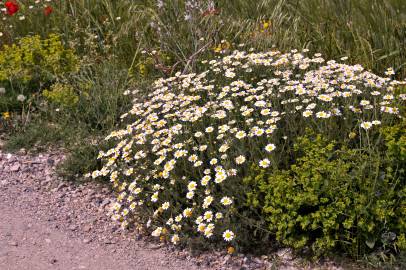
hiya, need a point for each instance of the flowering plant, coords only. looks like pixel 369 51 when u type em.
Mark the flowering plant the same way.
pixel 24 9
pixel 12 7
pixel 178 167
pixel 30 65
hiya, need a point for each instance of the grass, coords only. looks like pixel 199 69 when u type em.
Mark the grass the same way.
pixel 370 32
pixel 39 135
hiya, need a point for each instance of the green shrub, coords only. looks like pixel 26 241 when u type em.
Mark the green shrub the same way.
pixel 395 151
pixel 30 64
pixel 36 59
pixel 334 197
pixel 62 95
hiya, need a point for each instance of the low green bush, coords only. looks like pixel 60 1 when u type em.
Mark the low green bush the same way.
pixel 36 59
pixel 31 64
pixel 61 95
pixel 334 197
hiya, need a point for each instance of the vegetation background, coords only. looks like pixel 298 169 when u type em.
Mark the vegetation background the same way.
pixel 116 47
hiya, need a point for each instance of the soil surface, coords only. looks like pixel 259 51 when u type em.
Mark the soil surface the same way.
pixel 48 223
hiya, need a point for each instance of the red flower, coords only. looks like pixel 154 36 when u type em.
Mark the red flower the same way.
pixel 11 7
pixel 48 10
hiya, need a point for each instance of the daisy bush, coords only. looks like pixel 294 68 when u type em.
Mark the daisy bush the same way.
pixel 179 164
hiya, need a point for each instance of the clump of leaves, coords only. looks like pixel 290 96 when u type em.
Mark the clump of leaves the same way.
pixel 31 64
pixel 333 197
pixel 62 95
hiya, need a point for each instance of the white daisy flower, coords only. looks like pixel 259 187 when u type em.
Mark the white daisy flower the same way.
pixel 270 147
pixel 264 163
pixel 228 235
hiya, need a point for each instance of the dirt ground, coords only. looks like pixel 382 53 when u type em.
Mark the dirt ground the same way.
pixel 50 224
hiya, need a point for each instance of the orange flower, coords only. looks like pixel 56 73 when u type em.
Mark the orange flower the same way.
pixel 230 250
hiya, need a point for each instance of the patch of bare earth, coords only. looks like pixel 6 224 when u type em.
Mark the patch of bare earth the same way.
pixel 49 224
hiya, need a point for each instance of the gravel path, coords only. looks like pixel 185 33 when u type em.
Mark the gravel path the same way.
pixel 49 224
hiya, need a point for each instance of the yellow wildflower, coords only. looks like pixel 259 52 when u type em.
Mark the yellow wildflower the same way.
pixel 6 115
pixel 230 250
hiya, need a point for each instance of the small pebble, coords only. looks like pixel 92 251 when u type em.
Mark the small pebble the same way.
pixel 13 243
